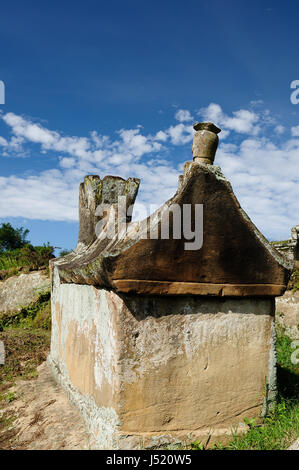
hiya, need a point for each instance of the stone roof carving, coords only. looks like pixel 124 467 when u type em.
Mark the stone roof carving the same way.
pixel 235 259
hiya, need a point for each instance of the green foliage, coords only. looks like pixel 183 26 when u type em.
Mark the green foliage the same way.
pixel 8 397
pixel 64 253
pixel 36 315
pixel 12 238
pixel 6 420
pixel 279 430
pixel 251 423
pixel 197 445
pixel 25 349
pixel 287 372
pixel 26 336
pixel 219 446
pixel 43 317
pixel 36 256
pixel 294 281
pixel 281 242
pixel 17 253
pixel 29 256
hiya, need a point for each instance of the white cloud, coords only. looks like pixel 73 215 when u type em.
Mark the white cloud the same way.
pixel 32 132
pixel 53 195
pixel 295 131
pixel 183 115
pixel 14 146
pixel 49 140
pixel 160 135
pixel 48 196
pixel 264 174
pixel 95 148
pixel 67 162
pixel 180 134
pixel 243 121
pixel 279 129
pixel 256 103
pixel 265 179
pixel 136 143
pixel 3 142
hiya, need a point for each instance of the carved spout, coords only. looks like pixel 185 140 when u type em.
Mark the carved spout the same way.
pixel 205 142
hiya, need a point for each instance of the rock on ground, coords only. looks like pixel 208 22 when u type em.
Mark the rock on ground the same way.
pixel 287 313
pixel 294 446
pixel 22 290
pixel 46 419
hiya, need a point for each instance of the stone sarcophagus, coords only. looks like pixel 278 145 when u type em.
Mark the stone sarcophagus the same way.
pixel 163 329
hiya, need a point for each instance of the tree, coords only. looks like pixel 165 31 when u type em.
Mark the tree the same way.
pixel 12 238
pixel 64 253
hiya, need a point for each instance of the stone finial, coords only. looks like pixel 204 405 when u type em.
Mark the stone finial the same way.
pixel 205 142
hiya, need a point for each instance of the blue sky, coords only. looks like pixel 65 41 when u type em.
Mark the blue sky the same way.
pixel 113 87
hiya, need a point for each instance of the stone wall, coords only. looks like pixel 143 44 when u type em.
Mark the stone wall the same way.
pixel 152 371
pixel 290 248
pixel 287 313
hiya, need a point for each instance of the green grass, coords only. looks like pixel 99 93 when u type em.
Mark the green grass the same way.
pixel 281 242
pixel 25 349
pixel 35 315
pixel 8 397
pixel 294 281
pixel 277 432
pixel 26 336
pixel 28 257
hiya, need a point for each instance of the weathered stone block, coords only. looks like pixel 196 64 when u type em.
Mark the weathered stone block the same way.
pixel 287 313
pixel 20 291
pixel 158 344
pixel 148 371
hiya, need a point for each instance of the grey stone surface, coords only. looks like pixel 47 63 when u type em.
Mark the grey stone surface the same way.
pixel 290 248
pixel 118 357
pixel 21 291
pixel 295 445
pixel 287 313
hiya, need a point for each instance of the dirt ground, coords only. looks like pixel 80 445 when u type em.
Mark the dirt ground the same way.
pixel 41 417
